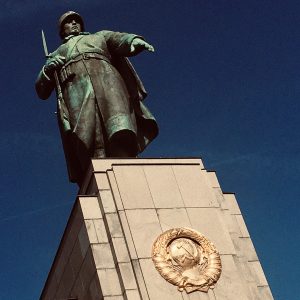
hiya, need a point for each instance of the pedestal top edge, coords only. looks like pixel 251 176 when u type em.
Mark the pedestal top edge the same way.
pixel 103 164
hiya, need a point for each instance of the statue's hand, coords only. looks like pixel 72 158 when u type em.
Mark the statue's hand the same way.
pixel 138 45
pixel 53 64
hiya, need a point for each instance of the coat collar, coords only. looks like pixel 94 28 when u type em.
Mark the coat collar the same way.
pixel 72 35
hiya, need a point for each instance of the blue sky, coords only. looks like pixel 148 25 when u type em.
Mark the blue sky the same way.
pixel 223 85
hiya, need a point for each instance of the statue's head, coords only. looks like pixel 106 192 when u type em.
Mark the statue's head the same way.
pixel 67 24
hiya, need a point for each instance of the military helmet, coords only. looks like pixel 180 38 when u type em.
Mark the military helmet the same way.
pixel 62 20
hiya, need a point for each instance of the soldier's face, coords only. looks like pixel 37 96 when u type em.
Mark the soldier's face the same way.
pixel 72 26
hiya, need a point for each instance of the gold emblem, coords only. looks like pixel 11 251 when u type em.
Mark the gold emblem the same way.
pixel 186 258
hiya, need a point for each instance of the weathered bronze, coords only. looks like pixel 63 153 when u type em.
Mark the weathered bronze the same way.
pixel 100 110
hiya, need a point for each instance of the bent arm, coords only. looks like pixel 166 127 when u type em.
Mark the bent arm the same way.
pixel 45 82
pixel 44 85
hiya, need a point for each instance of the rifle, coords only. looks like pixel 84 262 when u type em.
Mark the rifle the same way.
pixel 60 99
pixel 58 87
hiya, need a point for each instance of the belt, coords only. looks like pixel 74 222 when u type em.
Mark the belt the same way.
pixel 66 73
pixel 87 55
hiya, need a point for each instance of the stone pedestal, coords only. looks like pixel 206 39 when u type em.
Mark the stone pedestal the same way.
pixel 123 206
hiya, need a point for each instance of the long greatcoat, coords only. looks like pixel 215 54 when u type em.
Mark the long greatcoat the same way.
pixel 102 96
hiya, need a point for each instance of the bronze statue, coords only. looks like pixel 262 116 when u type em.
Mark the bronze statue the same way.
pixel 100 110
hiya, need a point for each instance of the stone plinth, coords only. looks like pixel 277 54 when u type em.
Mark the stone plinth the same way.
pixel 105 252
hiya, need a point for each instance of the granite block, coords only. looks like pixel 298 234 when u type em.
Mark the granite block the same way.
pixel 120 248
pixel 90 207
pixel 115 190
pixel 209 222
pixel 114 225
pixel 127 275
pixel 133 187
pixel 158 287
pixel 230 285
pixel 102 181
pixel 107 201
pixel 194 187
pixel 100 231
pixel 128 235
pixel 109 282
pixel 103 256
pixel 173 218
pixel 145 227
pixel 163 186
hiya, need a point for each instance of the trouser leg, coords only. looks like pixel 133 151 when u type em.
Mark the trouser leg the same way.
pixel 123 144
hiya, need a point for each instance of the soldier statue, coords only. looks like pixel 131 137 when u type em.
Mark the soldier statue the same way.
pixel 100 110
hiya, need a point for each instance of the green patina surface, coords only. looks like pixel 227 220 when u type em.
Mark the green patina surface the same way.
pixel 100 109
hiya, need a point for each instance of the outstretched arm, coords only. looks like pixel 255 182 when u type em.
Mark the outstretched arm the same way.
pixel 138 45
pixel 125 44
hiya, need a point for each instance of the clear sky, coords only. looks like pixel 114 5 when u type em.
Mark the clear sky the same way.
pixel 224 85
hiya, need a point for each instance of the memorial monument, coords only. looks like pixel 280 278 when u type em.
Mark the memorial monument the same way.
pixel 151 229
pixel 100 109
